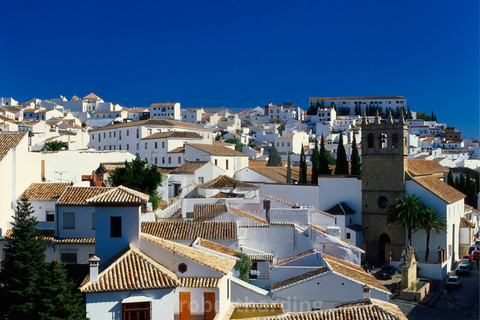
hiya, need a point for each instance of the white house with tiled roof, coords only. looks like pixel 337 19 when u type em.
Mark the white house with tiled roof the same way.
pixel 396 103
pixel 166 110
pixel 18 169
pixel 292 142
pixel 193 115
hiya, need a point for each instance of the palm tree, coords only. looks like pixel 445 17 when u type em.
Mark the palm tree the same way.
pixel 406 212
pixel 431 220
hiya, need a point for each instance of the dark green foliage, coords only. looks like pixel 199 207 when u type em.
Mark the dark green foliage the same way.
pixel 323 159
pixel 450 180
pixel 237 143
pixel 84 124
pixel 289 169
pixel 409 115
pixel 54 145
pixel 463 184
pixel 315 159
pixel 243 266
pixel 457 183
pixel 356 168
pixel 139 176
pixel 425 117
pixel 274 159
pixel 406 213
pixel 312 110
pixel 303 167
pixel 431 220
pixel 281 128
pixel 31 288
pixel 342 163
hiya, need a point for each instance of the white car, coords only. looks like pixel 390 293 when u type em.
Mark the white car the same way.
pixel 454 282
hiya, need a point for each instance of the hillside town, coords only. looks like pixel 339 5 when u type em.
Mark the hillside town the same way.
pixel 333 210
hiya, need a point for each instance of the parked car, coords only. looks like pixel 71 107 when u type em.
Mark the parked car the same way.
pixel 465 261
pixel 472 248
pixel 454 282
pixel 467 257
pixel 462 269
pixel 476 255
pixel 387 272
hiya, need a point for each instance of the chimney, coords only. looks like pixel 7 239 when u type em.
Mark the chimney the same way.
pixel 367 292
pixel 333 231
pixel 93 261
pixel 266 207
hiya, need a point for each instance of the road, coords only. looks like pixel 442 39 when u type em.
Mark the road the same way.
pixel 462 303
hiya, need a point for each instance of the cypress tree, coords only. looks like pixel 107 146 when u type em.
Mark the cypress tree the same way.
pixel 342 163
pixel 450 180
pixel 323 159
pixel 289 169
pixel 463 184
pixel 303 167
pixel 315 164
pixel 457 183
pixel 274 159
pixel 355 160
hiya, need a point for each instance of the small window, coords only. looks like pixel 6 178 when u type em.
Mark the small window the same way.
pixel 128 133
pixel 216 162
pixel 145 145
pixel 156 145
pixel 155 160
pixel 163 160
pixel 182 268
pixel 50 216
pixel 348 235
pixel 169 160
pixel 69 257
pixel 163 144
pixel 69 220
pixel 200 179
pixel 115 227
pixel 138 310
pixel 382 202
pixel 179 159
pixel 226 164
pixel 370 140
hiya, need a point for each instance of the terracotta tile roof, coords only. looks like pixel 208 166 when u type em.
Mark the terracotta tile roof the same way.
pixel 8 119
pixel 49 235
pixel 224 181
pixel 261 256
pixel 207 211
pixel 440 189
pixel 246 215
pixel 216 247
pixel 358 98
pixel 354 272
pixel 389 310
pixel 45 191
pixel 258 306
pixel 225 195
pixel 163 104
pixel 134 270
pixel 217 150
pixel 9 140
pixel 91 96
pixel 173 134
pixel 299 278
pixel 119 194
pixel 154 122
pixel 341 209
pixel 290 136
pixel 177 150
pixel 109 167
pixel 79 195
pixel 424 167
pixel 190 166
pixel 464 223
pixel 199 282
pixel 184 230
pixel 278 199
pixel 209 260
pixel 306 253
pixel 317 228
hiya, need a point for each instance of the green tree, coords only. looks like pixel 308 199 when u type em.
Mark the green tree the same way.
pixel 450 180
pixel 342 163
pixel 237 143
pixel 243 266
pixel 312 110
pixel 431 220
pixel 323 159
pixel 289 169
pixel 356 168
pixel 53 145
pixel 274 159
pixel 315 164
pixel 405 212
pixel 463 184
pixel 303 167
pixel 31 288
pixel 137 175
pixel 409 115
pixel 281 128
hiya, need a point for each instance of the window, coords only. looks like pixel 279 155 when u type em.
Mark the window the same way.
pixel 104 135
pixel 163 160
pixel 93 136
pixel 69 257
pixel 119 135
pixel 110 134
pixel 182 268
pixel 156 145
pixel 145 145
pixel 179 159
pixel 200 180
pixel 138 146
pixel 348 235
pixel 370 140
pixel 155 160
pixel 395 140
pixel 216 162
pixel 128 133
pixel 138 133
pixel 50 216
pixel 128 147
pixel 136 311
pixel 115 227
pixel 69 220
pixel 120 147
pixel 114 134
pixel 163 144
pixel 382 202
pixel 226 164
pixel 93 221
pixel 169 160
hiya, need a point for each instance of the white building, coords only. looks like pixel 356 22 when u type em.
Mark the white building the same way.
pixel 292 142
pixel 351 105
pixel 8 102
pixel 169 110
pixel 193 115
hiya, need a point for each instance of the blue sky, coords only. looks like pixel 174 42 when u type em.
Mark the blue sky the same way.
pixel 241 54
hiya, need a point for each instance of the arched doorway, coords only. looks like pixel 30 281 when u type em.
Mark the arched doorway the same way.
pixel 384 249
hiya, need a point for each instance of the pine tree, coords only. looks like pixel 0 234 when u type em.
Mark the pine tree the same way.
pixel 23 267
pixel 450 180
pixel 355 160
pixel 342 163
pixel 409 113
pixel 274 159
pixel 289 169
pixel 315 164
pixel 303 167
pixel 323 159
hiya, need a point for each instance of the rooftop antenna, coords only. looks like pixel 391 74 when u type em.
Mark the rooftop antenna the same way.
pixel 60 173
